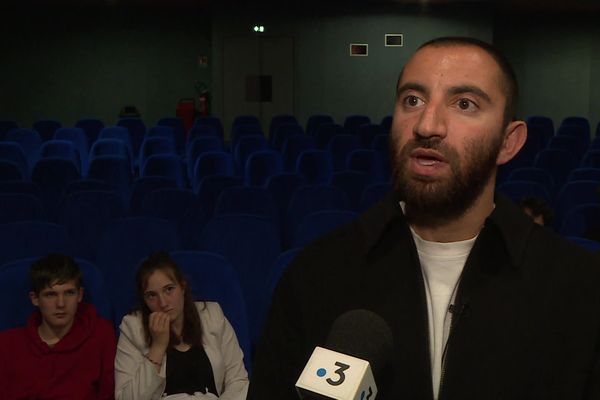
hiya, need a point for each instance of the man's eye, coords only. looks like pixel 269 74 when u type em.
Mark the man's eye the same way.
pixel 412 101
pixel 466 104
pixel 169 289
pixel 149 296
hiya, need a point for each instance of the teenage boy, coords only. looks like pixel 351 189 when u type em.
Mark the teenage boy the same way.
pixel 66 351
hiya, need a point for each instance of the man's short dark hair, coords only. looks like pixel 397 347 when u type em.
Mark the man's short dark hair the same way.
pixel 509 86
pixel 54 269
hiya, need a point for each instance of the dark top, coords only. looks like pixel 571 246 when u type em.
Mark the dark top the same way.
pixel 531 329
pixel 189 372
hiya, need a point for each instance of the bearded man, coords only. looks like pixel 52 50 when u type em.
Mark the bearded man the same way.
pixel 482 303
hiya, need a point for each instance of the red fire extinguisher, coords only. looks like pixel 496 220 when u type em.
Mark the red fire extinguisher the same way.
pixel 203 99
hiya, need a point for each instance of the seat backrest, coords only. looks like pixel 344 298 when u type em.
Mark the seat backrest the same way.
pixel 91 127
pixel 372 194
pixel 167 131
pixel 252 200
pixel 277 139
pixel 142 186
pixel 279 120
pixel 210 121
pixel 156 145
pixel 572 194
pixel 293 146
pixel 118 133
pixel 315 166
pixel 166 165
pixel 386 124
pixel 261 165
pixel 367 133
pixel 211 186
pixel 32 239
pixel 325 132
pixel 312 198
pixel 518 190
pixel 370 162
pixel 245 146
pixel 251 244
pixel 585 174
pixel 314 121
pixel 29 140
pixel 176 124
pixel 79 139
pixel 86 215
pixel 168 203
pixel 352 122
pixel 201 145
pixel 353 183
pixel 21 207
pixel 212 163
pixel 7 125
pixel 558 162
pixel 64 149
pixel 137 131
pixel 340 146
pixel 46 128
pixel 573 144
pixel 591 159
pixel 125 243
pixel 12 151
pixel 318 224
pixel 581 218
pixel 116 172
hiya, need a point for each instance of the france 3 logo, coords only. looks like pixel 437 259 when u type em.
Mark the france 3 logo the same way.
pixel 338 376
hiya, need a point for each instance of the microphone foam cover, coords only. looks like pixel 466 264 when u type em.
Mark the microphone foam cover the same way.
pixel 362 334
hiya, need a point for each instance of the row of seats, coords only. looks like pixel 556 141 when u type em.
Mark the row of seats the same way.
pixel 46 129
pixel 88 206
pixel 558 152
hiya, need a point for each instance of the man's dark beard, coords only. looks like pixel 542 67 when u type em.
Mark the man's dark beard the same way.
pixel 431 201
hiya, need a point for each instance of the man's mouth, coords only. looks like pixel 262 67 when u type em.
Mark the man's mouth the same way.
pixel 427 157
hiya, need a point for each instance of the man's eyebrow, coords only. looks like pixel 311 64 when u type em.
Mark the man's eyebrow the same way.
pixel 417 87
pixel 470 89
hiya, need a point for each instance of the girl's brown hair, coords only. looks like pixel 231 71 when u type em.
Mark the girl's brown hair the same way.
pixel 192 327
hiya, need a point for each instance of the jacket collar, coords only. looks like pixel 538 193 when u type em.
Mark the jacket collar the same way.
pixel 512 225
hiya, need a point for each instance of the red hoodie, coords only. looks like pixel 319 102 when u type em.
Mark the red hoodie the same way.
pixel 79 367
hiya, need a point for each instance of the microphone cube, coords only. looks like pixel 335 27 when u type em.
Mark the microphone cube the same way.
pixel 332 375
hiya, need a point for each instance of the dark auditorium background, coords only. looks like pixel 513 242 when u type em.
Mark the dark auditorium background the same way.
pixel 68 60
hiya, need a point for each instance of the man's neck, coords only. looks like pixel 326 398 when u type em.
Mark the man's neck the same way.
pixel 52 335
pixel 467 226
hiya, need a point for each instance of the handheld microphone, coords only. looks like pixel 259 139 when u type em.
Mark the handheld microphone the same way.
pixel 359 346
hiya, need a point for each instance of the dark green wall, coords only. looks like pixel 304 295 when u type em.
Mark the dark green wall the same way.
pixel 71 63
pixel 557 62
pixel 327 79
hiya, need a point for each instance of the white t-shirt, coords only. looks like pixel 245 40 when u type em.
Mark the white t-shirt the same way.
pixel 441 264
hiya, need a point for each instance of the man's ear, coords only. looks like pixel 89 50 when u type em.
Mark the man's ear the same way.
pixel 515 136
pixel 34 298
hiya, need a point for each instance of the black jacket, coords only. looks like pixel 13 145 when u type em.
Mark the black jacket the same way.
pixel 530 329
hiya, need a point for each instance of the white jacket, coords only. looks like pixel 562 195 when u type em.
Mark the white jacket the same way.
pixel 136 377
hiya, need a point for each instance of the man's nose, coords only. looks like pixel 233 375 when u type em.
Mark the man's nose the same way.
pixel 60 300
pixel 432 121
